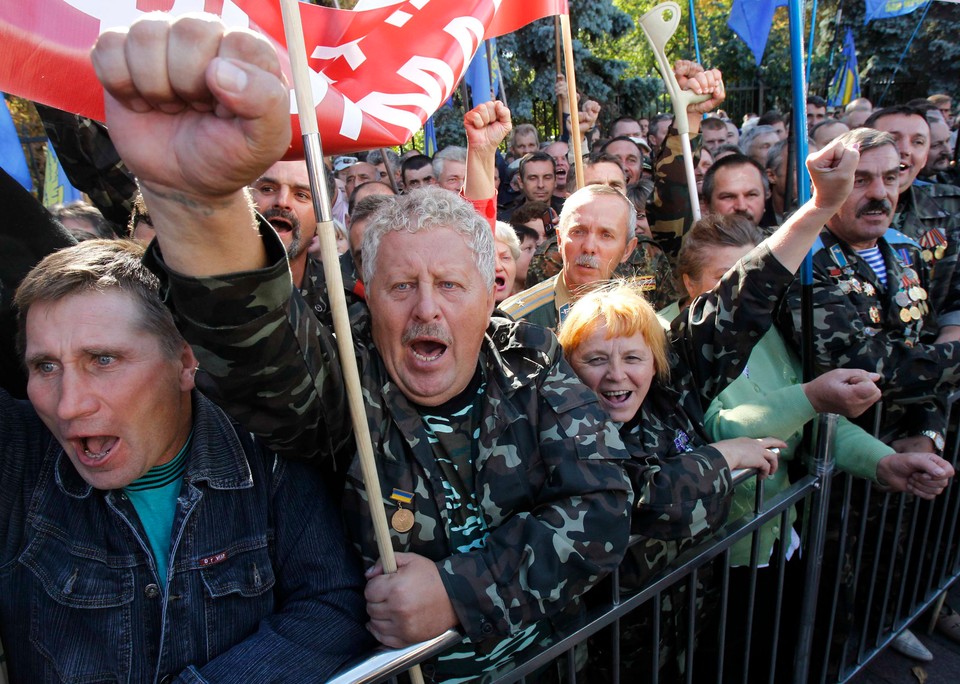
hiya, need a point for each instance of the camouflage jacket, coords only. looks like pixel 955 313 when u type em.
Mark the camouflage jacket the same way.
pixel 929 214
pixel 669 213
pixel 687 494
pixel 92 164
pixel 859 323
pixel 317 296
pixel 548 475
pixel 647 265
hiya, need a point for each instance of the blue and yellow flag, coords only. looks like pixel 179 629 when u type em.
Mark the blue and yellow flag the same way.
pixel 845 85
pixel 429 138
pixel 56 186
pixel 884 9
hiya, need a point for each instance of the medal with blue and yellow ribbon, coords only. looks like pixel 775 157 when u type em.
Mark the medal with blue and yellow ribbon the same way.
pixel 402 519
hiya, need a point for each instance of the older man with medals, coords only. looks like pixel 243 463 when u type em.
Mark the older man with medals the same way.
pixel 872 303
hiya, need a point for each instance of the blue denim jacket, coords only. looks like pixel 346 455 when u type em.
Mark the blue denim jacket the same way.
pixel 262 585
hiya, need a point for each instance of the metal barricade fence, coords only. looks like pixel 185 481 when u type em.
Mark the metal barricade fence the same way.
pixel 890 558
pixel 606 612
pixel 872 562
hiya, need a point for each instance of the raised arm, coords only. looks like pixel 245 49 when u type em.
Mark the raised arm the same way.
pixel 197 112
pixel 486 126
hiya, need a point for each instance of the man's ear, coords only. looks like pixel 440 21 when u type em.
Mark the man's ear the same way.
pixel 631 245
pixel 188 368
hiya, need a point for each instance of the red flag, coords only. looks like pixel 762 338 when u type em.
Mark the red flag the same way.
pixel 377 75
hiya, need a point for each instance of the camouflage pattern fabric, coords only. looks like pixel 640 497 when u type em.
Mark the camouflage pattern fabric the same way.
pixel 683 489
pixel 859 323
pixel 548 477
pixel 647 265
pixel 317 297
pixel 92 164
pixel 669 213
pixel 650 269
pixel 545 263
pixel 930 215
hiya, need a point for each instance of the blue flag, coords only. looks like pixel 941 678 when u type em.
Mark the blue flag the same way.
pixel 11 151
pixel 429 138
pixel 751 20
pixel 56 186
pixel 845 85
pixel 478 75
pixel 884 9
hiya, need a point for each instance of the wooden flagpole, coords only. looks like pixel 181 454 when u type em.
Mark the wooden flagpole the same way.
pixel 572 97
pixel 558 44
pixel 293 31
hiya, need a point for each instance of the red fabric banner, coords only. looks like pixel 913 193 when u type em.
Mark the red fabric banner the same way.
pixel 377 75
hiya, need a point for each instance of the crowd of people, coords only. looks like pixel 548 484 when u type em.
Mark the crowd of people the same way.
pixel 548 365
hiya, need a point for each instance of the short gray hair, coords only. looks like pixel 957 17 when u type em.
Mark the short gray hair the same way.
pixel 589 192
pixel 747 138
pixel 775 155
pixel 452 152
pixel 428 208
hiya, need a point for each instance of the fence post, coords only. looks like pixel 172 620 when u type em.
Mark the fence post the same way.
pixel 822 468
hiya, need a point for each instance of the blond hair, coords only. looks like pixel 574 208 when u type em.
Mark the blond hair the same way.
pixel 624 311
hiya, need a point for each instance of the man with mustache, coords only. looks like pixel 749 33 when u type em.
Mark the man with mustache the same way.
pixel 872 306
pixel 928 213
pixel 498 468
pixel 595 235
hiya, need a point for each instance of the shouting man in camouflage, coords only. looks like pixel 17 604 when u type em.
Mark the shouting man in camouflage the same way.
pixel 497 466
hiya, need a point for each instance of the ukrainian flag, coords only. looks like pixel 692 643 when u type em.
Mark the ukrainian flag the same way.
pixel 845 85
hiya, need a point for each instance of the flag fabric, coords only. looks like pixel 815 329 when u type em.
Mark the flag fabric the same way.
pixel 478 74
pixel 751 21
pixel 56 186
pixel 884 9
pixel 429 138
pixel 845 85
pixel 377 74
pixel 11 151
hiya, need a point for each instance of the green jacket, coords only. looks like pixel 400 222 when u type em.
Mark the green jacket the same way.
pixel 767 400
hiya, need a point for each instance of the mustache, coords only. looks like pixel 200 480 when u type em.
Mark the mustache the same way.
pixel 434 330
pixel 875 205
pixel 276 212
pixel 588 261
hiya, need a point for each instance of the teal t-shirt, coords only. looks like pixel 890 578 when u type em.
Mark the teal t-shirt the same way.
pixel 154 496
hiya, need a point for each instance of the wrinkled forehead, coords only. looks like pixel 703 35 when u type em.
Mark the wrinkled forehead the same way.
pixel 879 160
pixel 589 210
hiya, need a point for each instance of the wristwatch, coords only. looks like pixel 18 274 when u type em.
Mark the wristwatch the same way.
pixel 936 437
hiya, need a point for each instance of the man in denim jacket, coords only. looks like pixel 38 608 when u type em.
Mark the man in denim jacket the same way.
pixel 142 537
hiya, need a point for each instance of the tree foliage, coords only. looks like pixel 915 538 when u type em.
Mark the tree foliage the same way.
pixel 931 65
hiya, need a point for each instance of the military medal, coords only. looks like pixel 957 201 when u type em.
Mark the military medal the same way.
pixel 874 314
pixel 934 245
pixel 869 289
pixel 402 519
pixel 902 299
pixel 905 315
pixel 915 313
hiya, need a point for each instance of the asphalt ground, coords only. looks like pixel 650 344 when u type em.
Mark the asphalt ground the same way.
pixel 889 667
